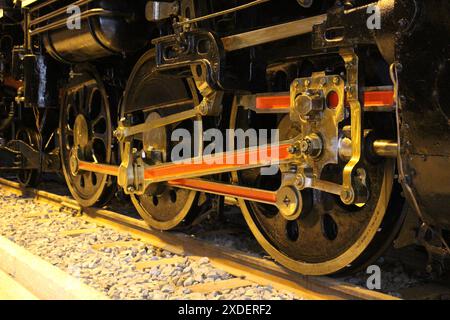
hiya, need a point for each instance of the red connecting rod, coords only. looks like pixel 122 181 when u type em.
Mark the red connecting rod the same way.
pixel 182 174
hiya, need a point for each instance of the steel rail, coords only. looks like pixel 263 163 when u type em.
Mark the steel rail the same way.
pixel 239 264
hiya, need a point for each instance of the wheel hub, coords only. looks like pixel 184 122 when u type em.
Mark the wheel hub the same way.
pixel 289 203
pixel 73 162
pixel 155 141
pixel 81 131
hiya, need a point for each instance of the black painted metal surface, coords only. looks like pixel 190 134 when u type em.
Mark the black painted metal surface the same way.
pixel 422 51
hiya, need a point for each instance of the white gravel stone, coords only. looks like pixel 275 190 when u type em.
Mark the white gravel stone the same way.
pixel 110 270
pixel 204 260
pixel 188 282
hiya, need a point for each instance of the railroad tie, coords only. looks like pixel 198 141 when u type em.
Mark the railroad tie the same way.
pixel 160 262
pixel 40 214
pixel 223 285
pixel 100 246
pixel 74 233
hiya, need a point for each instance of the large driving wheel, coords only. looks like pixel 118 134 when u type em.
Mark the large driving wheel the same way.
pixel 328 237
pixel 149 97
pixel 86 128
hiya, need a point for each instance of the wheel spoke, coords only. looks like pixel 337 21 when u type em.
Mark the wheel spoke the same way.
pixel 97 119
pixel 73 102
pixel 88 181
pixel 100 137
pixel 82 102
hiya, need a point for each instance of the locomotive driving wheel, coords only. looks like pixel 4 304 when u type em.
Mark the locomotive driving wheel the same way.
pixel 149 97
pixel 32 177
pixel 86 128
pixel 163 207
pixel 328 237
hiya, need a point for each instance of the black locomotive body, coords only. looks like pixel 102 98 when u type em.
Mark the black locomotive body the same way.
pixel 356 92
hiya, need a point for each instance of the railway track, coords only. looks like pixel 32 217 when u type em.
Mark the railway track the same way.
pixel 246 270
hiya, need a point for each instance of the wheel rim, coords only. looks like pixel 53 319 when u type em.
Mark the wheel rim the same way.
pixel 86 125
pixel 329 237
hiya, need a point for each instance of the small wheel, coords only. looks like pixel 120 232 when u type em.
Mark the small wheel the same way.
pixel 148 97
pixel 86 126
pixel 328 237
pixel 29 178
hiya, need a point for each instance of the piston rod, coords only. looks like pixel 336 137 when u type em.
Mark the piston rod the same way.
pixel 381 148
pixel 386 148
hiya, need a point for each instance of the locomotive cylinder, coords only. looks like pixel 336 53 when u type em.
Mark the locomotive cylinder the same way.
pixel 101 29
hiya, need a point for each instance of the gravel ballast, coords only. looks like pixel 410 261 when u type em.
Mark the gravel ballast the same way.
pixel 46 232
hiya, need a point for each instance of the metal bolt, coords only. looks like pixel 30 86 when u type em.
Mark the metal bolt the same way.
pixel 293 149
pixel 336 80
pixel 311 145
pixel 300 181
pixel 305 146
pixel 131 189
pixel 204 108
pixel 118 134
pixel 403 23
pixel 309 104
pixel 347 196
pixel 287 201
pixel 403 99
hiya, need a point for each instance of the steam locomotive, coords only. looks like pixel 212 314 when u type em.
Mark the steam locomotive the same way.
pixel 356 93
